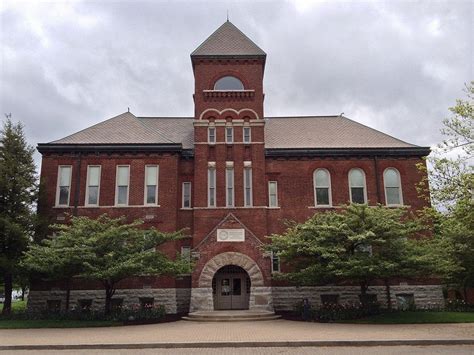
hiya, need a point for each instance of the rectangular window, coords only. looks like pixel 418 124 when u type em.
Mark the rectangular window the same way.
pixel 212 135
pixel 272 194
pixel 186 253
pixel 229 135
pixel 275 263
pixel 121 193
pixel 247 187
pixel 229 177
pixel 93 184
pixel 186 195
pixel 151 185
pixel 64 185
pixel 247 137
pixel 212 187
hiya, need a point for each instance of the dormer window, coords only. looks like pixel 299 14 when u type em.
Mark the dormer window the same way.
pixel 228 83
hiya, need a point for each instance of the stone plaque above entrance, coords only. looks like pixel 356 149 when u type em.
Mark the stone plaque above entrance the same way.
pixel 231 235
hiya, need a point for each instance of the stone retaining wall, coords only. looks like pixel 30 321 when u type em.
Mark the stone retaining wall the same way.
pixel 285 298
pixel 170 298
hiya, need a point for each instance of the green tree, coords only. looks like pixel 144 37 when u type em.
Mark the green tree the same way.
pixel 451 181
pixel 358 244
pixel 450 176
pixel 57 258
pixel 110 250
pixel 17 195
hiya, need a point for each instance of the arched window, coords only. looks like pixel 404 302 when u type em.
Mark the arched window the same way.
pixel 228 83
pixel 322 187
pixel 357 187
pixel 393 189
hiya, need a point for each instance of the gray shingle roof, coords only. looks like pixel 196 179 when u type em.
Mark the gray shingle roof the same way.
pixel 280 133
pixel 228 40
pixel 325 132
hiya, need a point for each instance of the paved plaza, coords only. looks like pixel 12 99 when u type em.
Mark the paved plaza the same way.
pixel 280 332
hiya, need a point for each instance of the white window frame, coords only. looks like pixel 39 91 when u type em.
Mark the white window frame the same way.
pixel 350 186
pixel 276 194
pixel 211 170
pixel 328 187
pixel 58 186
pixel 248 203
pixel 229 172
pixel 250 134
pixel 86 202
pixel 209 135
pixel 117 185
pixel 186 183
pixel 156 188
pixel 400 193
pixel 226 137
pixel 273 257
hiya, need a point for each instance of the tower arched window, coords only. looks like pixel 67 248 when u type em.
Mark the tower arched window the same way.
pixel 229 83
pixel 322 187
pixel 393 189
pixel 357 186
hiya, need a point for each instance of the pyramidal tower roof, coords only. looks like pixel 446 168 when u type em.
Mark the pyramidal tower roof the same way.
pixel 228 41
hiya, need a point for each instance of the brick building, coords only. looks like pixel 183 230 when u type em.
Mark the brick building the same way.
pixel 230 176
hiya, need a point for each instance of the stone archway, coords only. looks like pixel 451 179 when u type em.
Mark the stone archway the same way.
pixel 260 295
pixel 230 258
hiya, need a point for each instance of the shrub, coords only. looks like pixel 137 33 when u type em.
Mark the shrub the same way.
pixel 458 305
pixel 328 312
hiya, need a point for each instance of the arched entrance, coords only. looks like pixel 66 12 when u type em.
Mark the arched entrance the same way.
pixel 231 288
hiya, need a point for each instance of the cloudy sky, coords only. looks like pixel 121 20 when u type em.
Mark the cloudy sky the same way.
pixel 396 65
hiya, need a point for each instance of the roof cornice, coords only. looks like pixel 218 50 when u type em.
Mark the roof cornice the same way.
pixel 113 148
pixel 347 152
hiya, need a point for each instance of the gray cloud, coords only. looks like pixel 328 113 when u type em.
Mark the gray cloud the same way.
pixel 395 66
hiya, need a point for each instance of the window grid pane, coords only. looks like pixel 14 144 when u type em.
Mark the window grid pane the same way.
pixel 212 187
pixel 212 135
pixel 63 195
pixel 322 196
pixel 322 178
pixel 122 195
pixel 393 195
pixel 246 134
pixel 230 187
pixel 93 197
pixel 272 194
pixel 356 178
pixel 186 195
pixel 357 194
pixel 248 187
pixel 229 134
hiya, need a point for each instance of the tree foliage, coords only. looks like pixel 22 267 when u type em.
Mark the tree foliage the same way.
pixel 451 181
pixel 17 195
pixel 357 244
pixel 106 250
pixel 450 176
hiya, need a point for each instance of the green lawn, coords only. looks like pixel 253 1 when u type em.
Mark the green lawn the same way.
pixel 417 317
pixel 23 324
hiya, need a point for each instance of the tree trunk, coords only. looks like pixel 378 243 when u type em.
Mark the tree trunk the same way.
pixel 109 292
pixel 7 305
pixel 23 289
pixel 389 295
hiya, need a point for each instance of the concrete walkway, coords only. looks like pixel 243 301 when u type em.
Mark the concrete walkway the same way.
pixel 237 334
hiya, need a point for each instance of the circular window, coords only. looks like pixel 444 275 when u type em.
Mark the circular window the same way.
pixel 229 83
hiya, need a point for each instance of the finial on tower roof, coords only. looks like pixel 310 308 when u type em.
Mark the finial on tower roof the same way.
pixel 227 15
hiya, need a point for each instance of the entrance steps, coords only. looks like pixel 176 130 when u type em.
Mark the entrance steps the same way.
pixel 231 316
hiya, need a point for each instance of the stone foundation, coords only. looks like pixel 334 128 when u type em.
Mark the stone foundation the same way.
pixel 285 298
pixel 174 300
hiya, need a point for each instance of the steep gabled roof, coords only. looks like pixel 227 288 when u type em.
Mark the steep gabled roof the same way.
pixel 228 41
